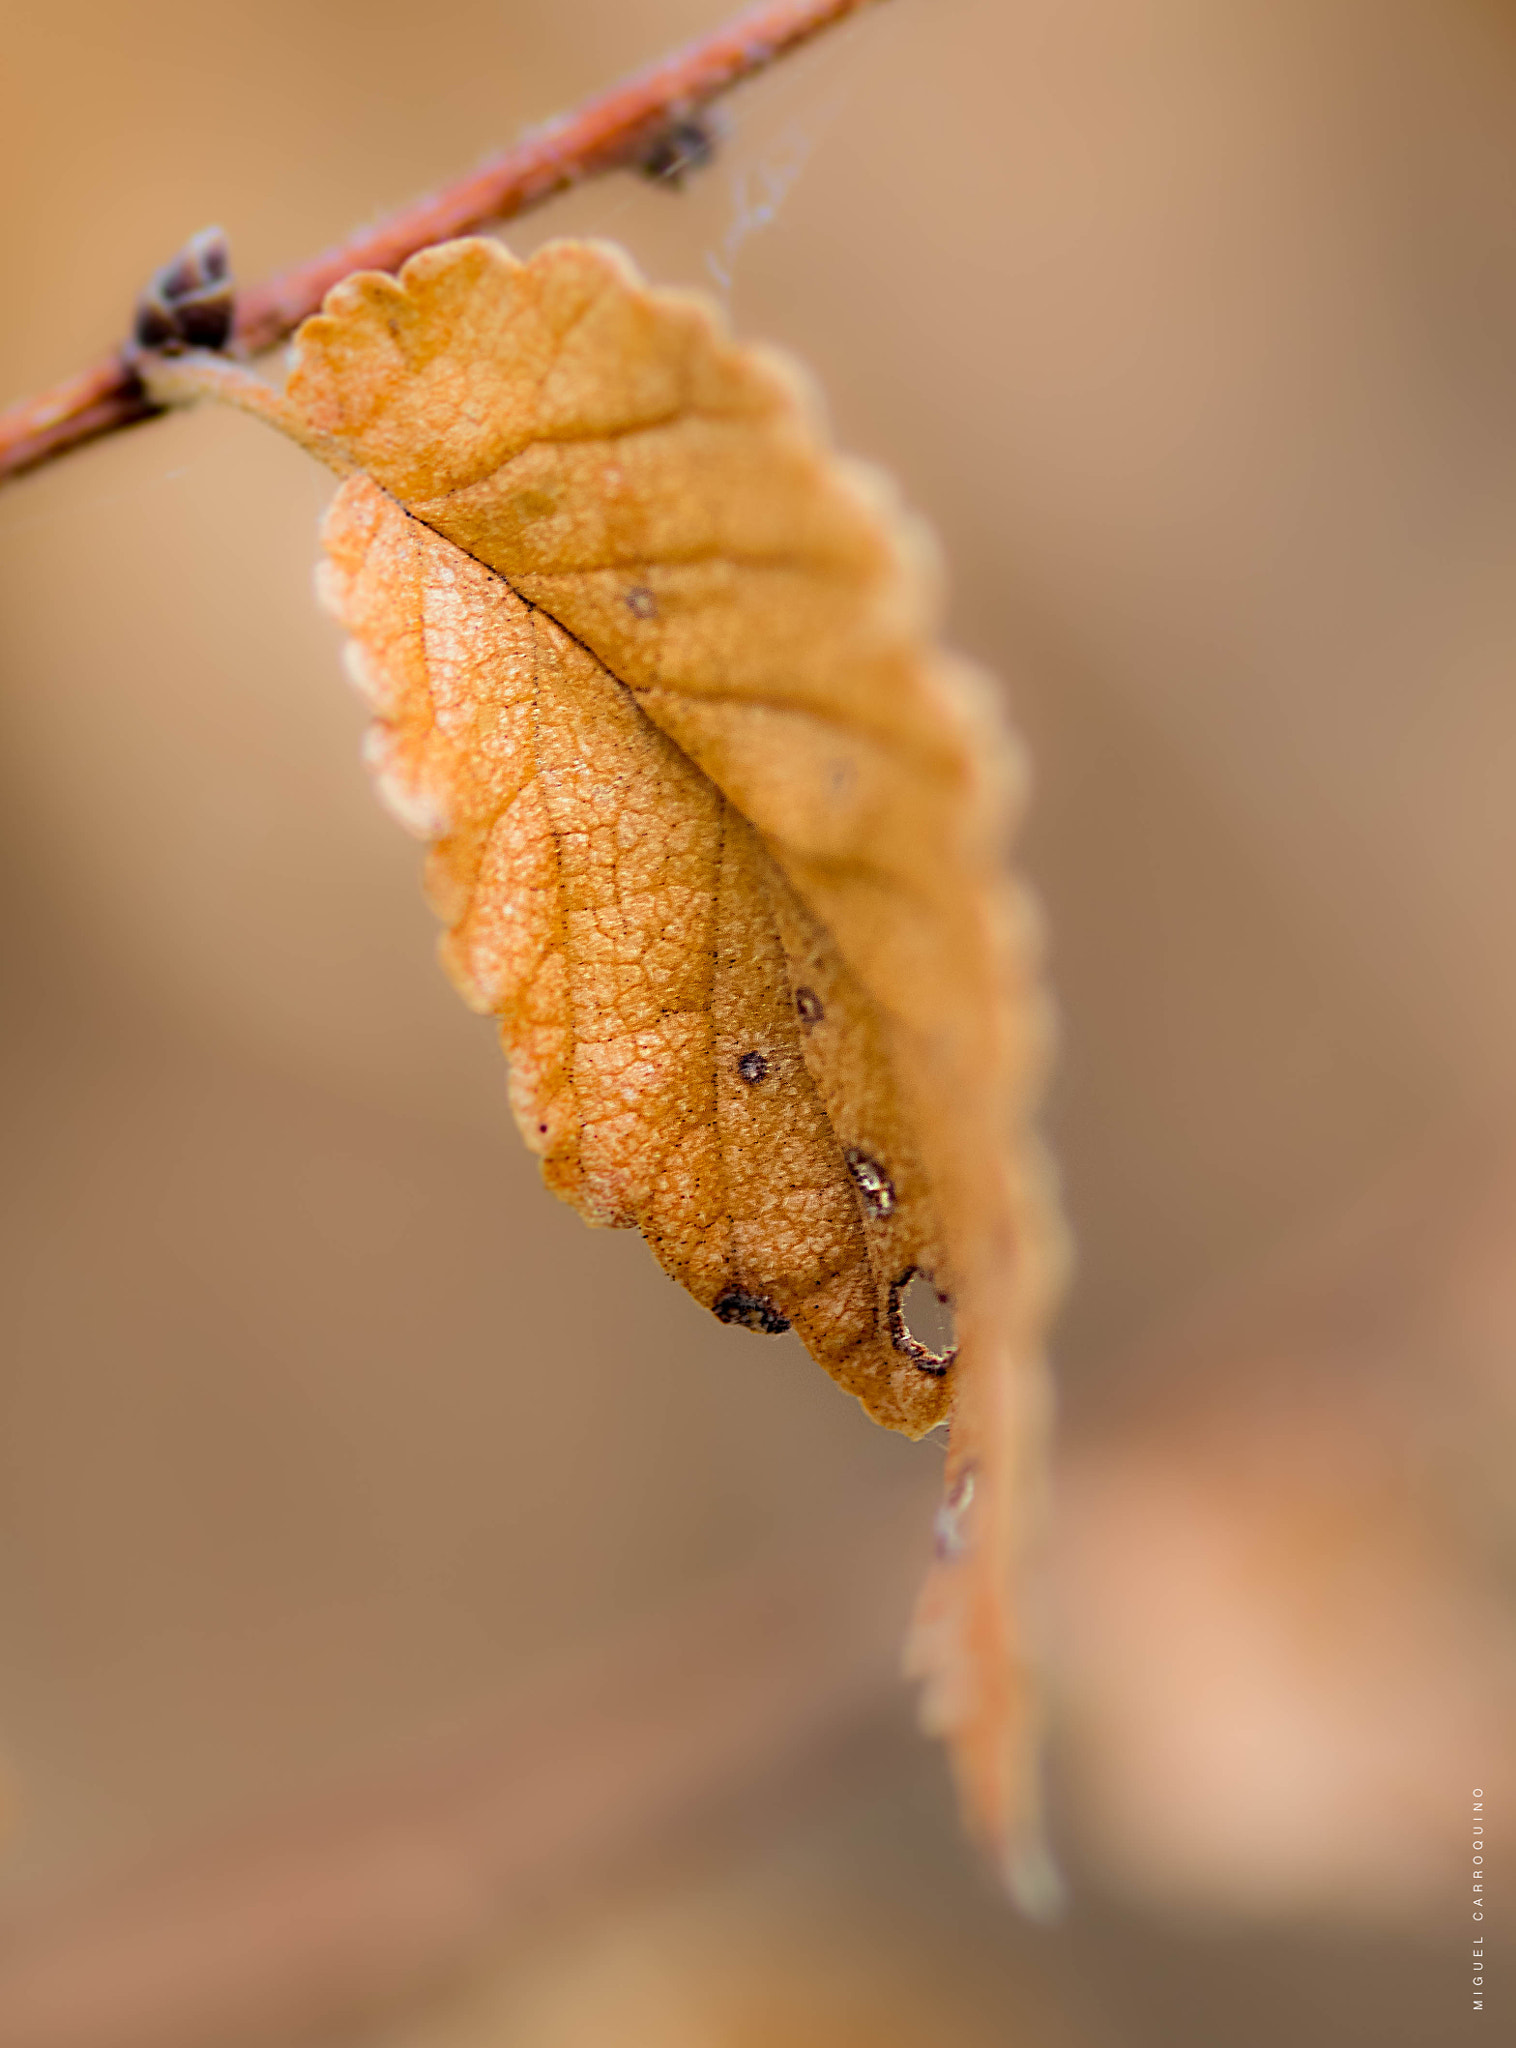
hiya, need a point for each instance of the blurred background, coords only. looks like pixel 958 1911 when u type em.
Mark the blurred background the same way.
pixel 420 1625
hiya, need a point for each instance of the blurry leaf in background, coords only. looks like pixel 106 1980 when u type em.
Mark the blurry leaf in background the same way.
pixel 1285 1567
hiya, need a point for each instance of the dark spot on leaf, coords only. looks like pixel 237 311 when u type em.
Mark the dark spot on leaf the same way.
pixel 913 1299
pixel 752 1067
pixel 752 1311
pixel 533 504
pixel 808 1003
pixel 871 1181
pixel 641 602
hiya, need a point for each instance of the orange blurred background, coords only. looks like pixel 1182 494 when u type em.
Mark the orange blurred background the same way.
pixel 335 1452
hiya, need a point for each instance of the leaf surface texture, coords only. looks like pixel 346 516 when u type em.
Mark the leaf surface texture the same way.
pixel 721 838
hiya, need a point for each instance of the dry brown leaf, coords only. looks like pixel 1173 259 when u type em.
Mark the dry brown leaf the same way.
pixel 722 839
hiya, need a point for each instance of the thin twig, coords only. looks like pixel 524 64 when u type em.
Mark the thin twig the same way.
pixel 617 131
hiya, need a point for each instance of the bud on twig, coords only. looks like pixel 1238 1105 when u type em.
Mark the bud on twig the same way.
pixel 191 302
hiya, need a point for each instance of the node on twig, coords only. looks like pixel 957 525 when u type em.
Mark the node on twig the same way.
pixel 687 143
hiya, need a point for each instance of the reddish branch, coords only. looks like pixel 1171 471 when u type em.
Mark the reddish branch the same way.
pixel 621 129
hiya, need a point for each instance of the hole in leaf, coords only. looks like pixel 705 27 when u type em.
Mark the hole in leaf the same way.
pixel 921 1322
pixel 871 1181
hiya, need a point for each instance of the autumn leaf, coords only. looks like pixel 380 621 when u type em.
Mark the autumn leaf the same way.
pixel 658 984
pixel 722 839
